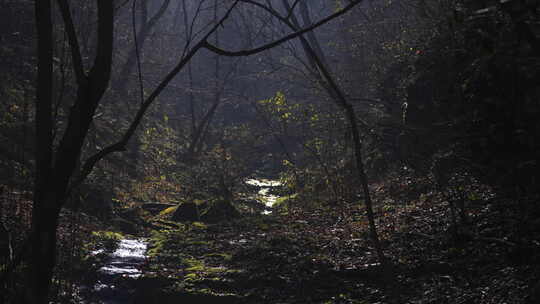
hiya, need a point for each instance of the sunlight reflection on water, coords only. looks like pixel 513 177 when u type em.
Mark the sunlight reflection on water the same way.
pixel 128 255
pixel 265 184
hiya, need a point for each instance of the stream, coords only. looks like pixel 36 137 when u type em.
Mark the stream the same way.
pixel 114 283
pixel 264 192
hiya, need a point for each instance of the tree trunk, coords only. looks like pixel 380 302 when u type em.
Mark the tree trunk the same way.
pixel 43 234
pixel 323 75
pixel 365 185
pixel 43 252
pixel 53 178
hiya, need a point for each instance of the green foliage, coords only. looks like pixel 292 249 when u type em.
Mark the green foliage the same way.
pixel 317 169
pixel 286 113
pixel 283 203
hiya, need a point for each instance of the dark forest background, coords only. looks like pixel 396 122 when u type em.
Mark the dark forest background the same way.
pixel 420 115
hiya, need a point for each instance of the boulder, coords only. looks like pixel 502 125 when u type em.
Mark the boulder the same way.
pixel 220 211
pixel 186 212
pixel 124 226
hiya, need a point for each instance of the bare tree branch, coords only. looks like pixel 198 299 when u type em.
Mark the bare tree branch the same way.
pixel 76 57
pixel 273 44
pixel 120 145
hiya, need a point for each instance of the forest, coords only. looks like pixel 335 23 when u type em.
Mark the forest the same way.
pixel 270 151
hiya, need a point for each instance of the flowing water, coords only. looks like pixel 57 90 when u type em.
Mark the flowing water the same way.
pixel 115 280
pixel 124 261
pixel 264 192
pixel 114 284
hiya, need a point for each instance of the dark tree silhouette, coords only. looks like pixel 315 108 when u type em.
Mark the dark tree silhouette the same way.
pixel 58 167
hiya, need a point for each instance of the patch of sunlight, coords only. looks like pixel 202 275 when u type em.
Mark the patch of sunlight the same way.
pixel 168 211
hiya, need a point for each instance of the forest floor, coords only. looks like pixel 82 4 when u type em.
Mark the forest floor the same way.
pixel 323 255
pixel 303 254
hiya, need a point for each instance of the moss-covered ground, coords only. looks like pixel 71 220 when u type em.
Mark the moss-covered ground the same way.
pixel 323 255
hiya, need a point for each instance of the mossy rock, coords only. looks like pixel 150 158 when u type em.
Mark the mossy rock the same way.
pixel 156 207
pixel 220 211
pixel 186 212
